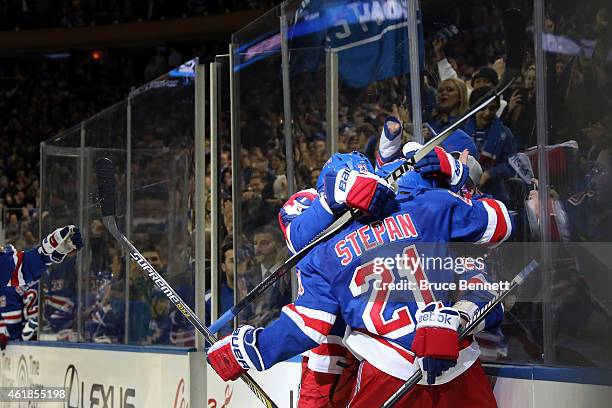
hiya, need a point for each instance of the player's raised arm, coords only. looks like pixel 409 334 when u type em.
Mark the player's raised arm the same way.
pixel 18 268
pixel 390 144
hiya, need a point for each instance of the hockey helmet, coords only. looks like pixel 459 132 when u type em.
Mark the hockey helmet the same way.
pixel 338 161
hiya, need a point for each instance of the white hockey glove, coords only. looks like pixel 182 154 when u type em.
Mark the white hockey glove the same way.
pixel 61 242
pixel 467 310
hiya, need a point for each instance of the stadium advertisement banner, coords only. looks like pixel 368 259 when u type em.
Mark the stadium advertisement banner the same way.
pixel 280 383
pixel 97 377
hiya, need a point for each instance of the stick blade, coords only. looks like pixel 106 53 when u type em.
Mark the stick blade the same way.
pixel 105 174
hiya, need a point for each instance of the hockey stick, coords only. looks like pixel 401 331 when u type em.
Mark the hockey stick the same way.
pixel 105 173
pixel 515 49
pixel 471 325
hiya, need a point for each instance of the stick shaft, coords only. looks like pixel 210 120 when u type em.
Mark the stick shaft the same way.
pixel 111 225
pixel 472 324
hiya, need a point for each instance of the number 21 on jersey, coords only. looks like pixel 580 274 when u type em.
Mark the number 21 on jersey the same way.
pixel 379 278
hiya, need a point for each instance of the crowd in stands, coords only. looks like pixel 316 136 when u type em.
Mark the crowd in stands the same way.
pixel 40 98
pixel 34 14
pixel 459 70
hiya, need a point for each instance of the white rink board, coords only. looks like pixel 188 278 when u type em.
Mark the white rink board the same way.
pixel 131 379
pixel 280 383
pixel 516 393
pixel 554 394
pixel 121 379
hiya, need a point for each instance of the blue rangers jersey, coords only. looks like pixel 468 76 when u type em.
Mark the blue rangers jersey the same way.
pixel 19 268
pixel 342 277
pixel 20 271
pixel 60 293
pixel 301 219
pixel 18 304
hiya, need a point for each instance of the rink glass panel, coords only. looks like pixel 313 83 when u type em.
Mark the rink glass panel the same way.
pixel 153 131
pixel 223 296
pixel 102 278
pixel 571 283
pixel 258 104
pixel 577 48
pixel 477 41
pixel 473 36
pixel 60 173
pixel 162 213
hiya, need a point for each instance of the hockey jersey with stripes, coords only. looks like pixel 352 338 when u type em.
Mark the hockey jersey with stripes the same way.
pixel 301 219
pixel 19 268
pixel 342 277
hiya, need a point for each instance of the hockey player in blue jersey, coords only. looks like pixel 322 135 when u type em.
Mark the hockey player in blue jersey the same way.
pixel 59 288
pixel 338 277
pixel 328 370
pixel 390 148
pixel 18 305
pixel 20 272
